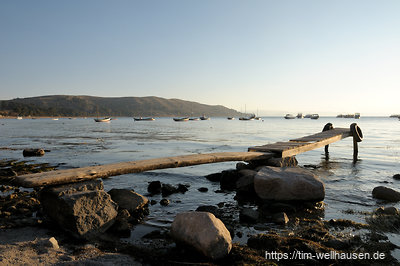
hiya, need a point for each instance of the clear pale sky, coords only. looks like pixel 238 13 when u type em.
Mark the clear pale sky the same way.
pixel 309 56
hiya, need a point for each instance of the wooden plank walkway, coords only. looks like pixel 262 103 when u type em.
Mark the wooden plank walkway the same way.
pixel 307 143
pixel 102 171
pixel 278 149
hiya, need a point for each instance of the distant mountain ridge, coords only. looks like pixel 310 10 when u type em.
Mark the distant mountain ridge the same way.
pixel 69 105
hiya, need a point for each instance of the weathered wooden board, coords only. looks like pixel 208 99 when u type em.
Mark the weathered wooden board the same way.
pixel 102 171
pixel 307 143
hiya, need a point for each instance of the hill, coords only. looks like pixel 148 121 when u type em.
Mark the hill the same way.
pixel 66 105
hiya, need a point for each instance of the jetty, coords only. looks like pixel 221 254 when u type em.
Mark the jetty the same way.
pixel 256 153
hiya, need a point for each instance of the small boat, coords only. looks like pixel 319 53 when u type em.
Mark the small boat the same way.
pixel 231 118
pixel 204 117
pixel 181 119
pixel 299 115
pixel 55 119
pixel 248 118
pixel 19 117
pixel 308 116
pixel 144 119
pixel 357 115
pixel 105 119
pixel 194 119
pixel 289 116
pixel 314 116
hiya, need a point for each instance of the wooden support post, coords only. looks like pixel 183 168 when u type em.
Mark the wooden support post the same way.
pixel 355 150
pixel 327 127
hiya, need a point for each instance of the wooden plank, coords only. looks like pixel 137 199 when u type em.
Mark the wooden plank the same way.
pixel 102 171
pixel 304 144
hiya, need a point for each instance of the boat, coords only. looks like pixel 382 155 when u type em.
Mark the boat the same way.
pixel 181 119
pixel 357 115
pixel 299 115
pixel 19 117
pixel 247 118
pixel 144 119
pixel 314 116
pixel 308 116
pixel 194 119
pixel 231 118
pixel 289 116
pixel 204 117
pixel 105 119
pixel 55 119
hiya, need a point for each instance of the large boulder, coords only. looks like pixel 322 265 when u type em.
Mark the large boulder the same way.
pixel 136 204
pixel 385 193
pixel 83 209
pixel 287 184
pixel 204 232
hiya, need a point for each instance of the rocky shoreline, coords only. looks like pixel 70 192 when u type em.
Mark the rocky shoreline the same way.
pixel 33 215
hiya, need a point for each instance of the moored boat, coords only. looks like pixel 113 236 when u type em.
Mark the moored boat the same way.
pixel 204 117
pixel 289 116
pixel 314 116
pixel 194 119
pixel 144 119
pixel 248 118
pixel 231 118
pixel 105 119
pixel 181 119
pixel 299 115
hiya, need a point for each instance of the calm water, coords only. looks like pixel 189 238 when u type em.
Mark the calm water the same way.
pixel 82 142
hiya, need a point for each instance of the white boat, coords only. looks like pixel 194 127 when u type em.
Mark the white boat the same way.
pixel 231 118
pixel 105 119
pixel 144 118
pixel 181 119
pixel 289 116
pixel 19 117
pixel 55 119
pixel 314 116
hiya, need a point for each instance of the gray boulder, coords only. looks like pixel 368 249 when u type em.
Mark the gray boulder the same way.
pixel 80 208
pixel 385 193
pixel 245 183
pixel 286 184
pixel 128 199
pixel 204 232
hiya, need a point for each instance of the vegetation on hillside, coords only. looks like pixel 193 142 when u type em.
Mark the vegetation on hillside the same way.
pixel 64 105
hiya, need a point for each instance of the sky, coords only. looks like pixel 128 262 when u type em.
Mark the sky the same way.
pixel 270 56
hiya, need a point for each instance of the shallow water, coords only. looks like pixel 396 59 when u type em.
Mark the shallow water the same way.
pixel 82 142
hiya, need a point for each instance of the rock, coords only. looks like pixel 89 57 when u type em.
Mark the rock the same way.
pixel 83 212
pixel 203 189
pixel 154 187
pixel 280 218
pixel 248 215
pixel 385 193
pixel 182 188
pixel 228 179
pixel 33 152
pixel 214 177
pixel 164 202
pixel 130 200
pixel 242 166
pixel 121 226
pixel 396 176
pixel 245 182
pixel 387 211
pixel 283 162
pixel 204 232
pixel 167 189
pixel 286 184
pixel 52 243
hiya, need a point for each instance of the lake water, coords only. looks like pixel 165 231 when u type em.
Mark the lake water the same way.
pixel 82 142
